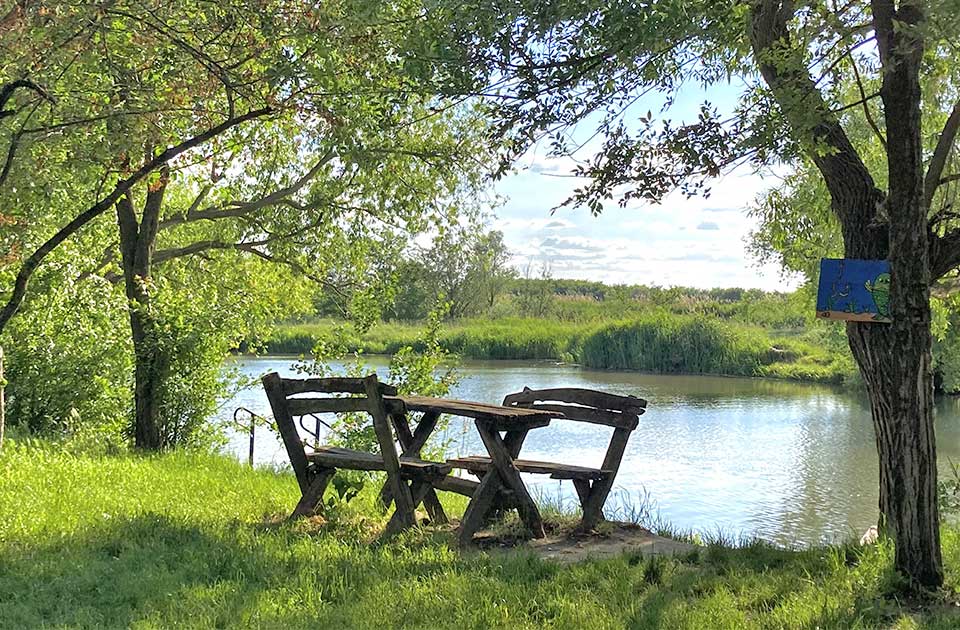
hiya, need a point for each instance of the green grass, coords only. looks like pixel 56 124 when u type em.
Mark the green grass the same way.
pixel 657 342
pixel 195 541
pixel 513 338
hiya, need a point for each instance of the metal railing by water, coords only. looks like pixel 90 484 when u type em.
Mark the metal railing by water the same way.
pixel 255 418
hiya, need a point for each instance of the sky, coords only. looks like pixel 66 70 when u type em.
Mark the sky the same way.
pixel 698 242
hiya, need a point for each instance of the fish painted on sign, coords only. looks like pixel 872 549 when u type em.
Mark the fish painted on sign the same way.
pixel 879 289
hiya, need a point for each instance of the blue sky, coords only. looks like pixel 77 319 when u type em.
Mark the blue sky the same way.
pixel 687 242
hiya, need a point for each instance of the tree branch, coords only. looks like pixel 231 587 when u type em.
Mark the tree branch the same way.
pixel 6 93
pixel 944 253
pixel 242 208
pixel 866 106
pixel 940 154
pixel 852 189
pixel 33 261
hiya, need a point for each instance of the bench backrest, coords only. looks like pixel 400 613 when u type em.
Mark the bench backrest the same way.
pixel 282 393
pixel 588 405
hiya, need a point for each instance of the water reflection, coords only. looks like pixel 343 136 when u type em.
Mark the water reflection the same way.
pixel 791 463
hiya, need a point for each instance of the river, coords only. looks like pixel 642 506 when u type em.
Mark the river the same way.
pixel 791 463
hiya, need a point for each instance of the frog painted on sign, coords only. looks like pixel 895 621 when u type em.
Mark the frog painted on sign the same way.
pixel 879 289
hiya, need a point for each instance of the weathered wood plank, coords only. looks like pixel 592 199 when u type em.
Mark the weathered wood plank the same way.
pixel 334 457
pixel 418 492
pixel 577 395
pixel 620 419
pixel 307 406
pixel 411 443
pixel 332 385
pixel 555 470
pixel 593 507
pixel 503 465
pixel 466 487
pixel 582 487
pixel 273 386
pixel 504 416
pixel 381 425
pixel 479 506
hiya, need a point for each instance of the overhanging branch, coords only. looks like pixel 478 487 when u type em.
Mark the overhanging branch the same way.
pixel 36 258
pixel 944 254
pixel 940 154
pixel 236 209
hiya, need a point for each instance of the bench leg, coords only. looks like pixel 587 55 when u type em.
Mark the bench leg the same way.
pixel 593 505
pixel 313 494
pixel 582 487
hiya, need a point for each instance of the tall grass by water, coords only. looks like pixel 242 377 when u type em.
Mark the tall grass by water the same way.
pixel 199 541
pixel 660 342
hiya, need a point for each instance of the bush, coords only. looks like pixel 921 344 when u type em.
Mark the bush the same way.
pixel 69 363
pixel 676 344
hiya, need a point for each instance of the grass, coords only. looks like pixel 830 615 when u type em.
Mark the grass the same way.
pixel 657 342
pixel 196 541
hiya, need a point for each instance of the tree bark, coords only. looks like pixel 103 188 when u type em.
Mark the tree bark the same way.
pixel 899 358
pixel 137 244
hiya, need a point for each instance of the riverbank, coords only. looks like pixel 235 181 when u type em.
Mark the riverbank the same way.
pixel 659 343
pixel 197 540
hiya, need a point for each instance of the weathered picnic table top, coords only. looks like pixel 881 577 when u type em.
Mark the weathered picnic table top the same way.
pixel 505 418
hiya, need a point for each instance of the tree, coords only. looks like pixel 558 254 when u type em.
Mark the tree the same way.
pixel 468 268
pixel 346 146
pixel 547 66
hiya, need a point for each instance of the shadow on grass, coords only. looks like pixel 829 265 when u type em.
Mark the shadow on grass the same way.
pixel 162 572
pixel 120 572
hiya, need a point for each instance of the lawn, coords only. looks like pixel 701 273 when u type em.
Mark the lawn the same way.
pixel 196 540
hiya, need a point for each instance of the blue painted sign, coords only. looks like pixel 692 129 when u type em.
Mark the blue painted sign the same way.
pixel 854 290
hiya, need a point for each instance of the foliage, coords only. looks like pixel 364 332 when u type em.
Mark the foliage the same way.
pixel 749 350
pixel 195 540
pixel 422 368
pixel 464 265
pixel 949 494
pixel 347 158
pixel 69 365
pixel 675 344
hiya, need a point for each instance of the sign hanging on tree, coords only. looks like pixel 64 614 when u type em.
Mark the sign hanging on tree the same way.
pixel 854 290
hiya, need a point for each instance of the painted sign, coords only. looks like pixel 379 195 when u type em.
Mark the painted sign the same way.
pixel 854 290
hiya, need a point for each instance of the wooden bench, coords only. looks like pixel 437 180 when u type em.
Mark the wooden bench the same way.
pixel 593 485
pixel 409 479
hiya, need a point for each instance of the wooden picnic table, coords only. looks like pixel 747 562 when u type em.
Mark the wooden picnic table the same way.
pixel 502 478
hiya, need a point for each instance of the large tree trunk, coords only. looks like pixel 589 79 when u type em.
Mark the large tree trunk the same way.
pixel 895 363
pixel 137 244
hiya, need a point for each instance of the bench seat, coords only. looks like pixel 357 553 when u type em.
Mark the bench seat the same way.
pixel 479 463
pixel 335 457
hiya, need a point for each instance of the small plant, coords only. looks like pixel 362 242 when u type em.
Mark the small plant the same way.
pixel 948 493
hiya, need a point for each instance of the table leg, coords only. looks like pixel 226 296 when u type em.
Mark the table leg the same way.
pixel 479 506
pixel 503 464
pixel 513 440
pixel 411 443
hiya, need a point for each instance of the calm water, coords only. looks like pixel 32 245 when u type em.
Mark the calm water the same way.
pixel 792 463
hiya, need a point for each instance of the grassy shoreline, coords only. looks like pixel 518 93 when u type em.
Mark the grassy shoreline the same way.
pixel 657 343
pixel 194 540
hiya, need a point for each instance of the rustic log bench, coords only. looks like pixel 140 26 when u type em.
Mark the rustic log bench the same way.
pixel 409 478
pixel 582 405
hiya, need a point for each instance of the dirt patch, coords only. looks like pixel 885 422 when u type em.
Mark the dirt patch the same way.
pixel 613 539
